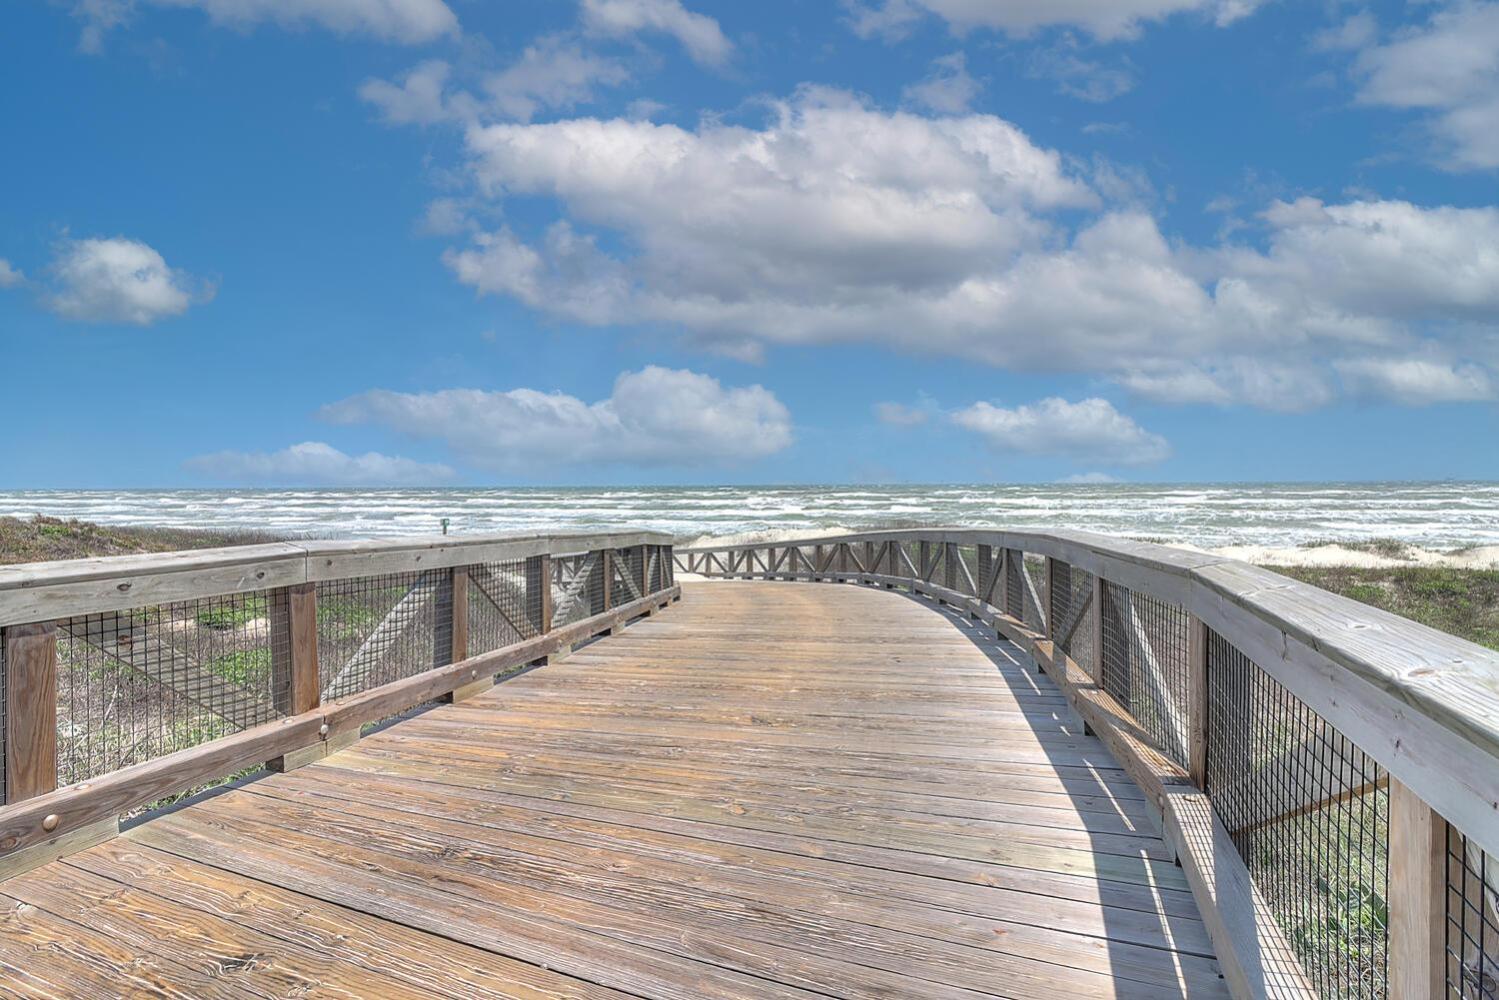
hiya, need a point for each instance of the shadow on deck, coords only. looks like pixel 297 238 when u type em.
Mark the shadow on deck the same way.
pixel 771 790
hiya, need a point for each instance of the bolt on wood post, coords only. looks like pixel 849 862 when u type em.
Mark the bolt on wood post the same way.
pixel 1418 897
pixel 1197 701
pixel 30 662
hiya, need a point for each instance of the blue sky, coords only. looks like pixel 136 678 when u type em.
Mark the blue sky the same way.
pixel 434 241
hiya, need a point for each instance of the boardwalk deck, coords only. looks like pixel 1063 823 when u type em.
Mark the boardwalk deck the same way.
pixel 771 790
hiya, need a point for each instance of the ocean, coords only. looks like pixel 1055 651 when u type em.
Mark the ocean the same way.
pixel 1430 515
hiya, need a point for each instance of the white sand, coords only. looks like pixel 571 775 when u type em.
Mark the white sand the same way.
pixel 1482 557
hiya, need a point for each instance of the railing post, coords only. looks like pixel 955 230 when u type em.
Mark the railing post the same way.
pixel 458 649
pixel 1418 897
pixel 295 682
pixel 1197 700
pixel 950 566
pixel 986 573
pixel 30 709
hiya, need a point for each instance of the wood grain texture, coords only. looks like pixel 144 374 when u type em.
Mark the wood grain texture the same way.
pixel 774 791
pixel 1417 897
pixel 50 590
pixel 1420 702
pixel 294 663
pixel 30 663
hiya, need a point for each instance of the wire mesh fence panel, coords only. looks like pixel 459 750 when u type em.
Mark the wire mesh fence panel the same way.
pixel 577 587
pixel 1072 612
pixel 1014 585
pixel 654 568
pixel 896 558
pixel 1113 661
pixel 1308 812
pixel 1472 937
pixel 135 685
pixel 1033 568
pixel 1145 664
pixel 501 611
pixel 968 569
pixel 629 568
pixel 377 629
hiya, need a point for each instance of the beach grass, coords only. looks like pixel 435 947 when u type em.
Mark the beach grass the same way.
pixel 42 539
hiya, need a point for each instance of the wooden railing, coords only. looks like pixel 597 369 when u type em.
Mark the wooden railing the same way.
pixel 127 680
pixel 1327 773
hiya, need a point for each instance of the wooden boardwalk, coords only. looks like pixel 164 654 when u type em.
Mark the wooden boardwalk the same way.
pixel 769 790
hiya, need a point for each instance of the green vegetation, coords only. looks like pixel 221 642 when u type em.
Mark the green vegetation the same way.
pixel 1464 602
pixel 245 667
pixel 1388 548
pixel 347 621
pixel 232 613
pixel 46 538
pixel 1323 876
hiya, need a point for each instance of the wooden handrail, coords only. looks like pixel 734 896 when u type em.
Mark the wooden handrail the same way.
pixel 42 591
pixel 1421 703
pixel 39 820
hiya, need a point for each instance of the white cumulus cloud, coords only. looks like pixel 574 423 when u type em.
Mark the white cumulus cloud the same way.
pixel 1089 429
pixel 118 280
pixel 656 416
pixel 699 34
pixel 1417 381
pixel 832 209
pixel 552 73
pixel 837 222
pixel 949 88
pixel 314 463
pixel 1450 69
pixel 10 276
pixel 403 21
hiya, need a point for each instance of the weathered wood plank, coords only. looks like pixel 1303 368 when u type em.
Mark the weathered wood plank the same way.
pixel 30 663
pixel 777 791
